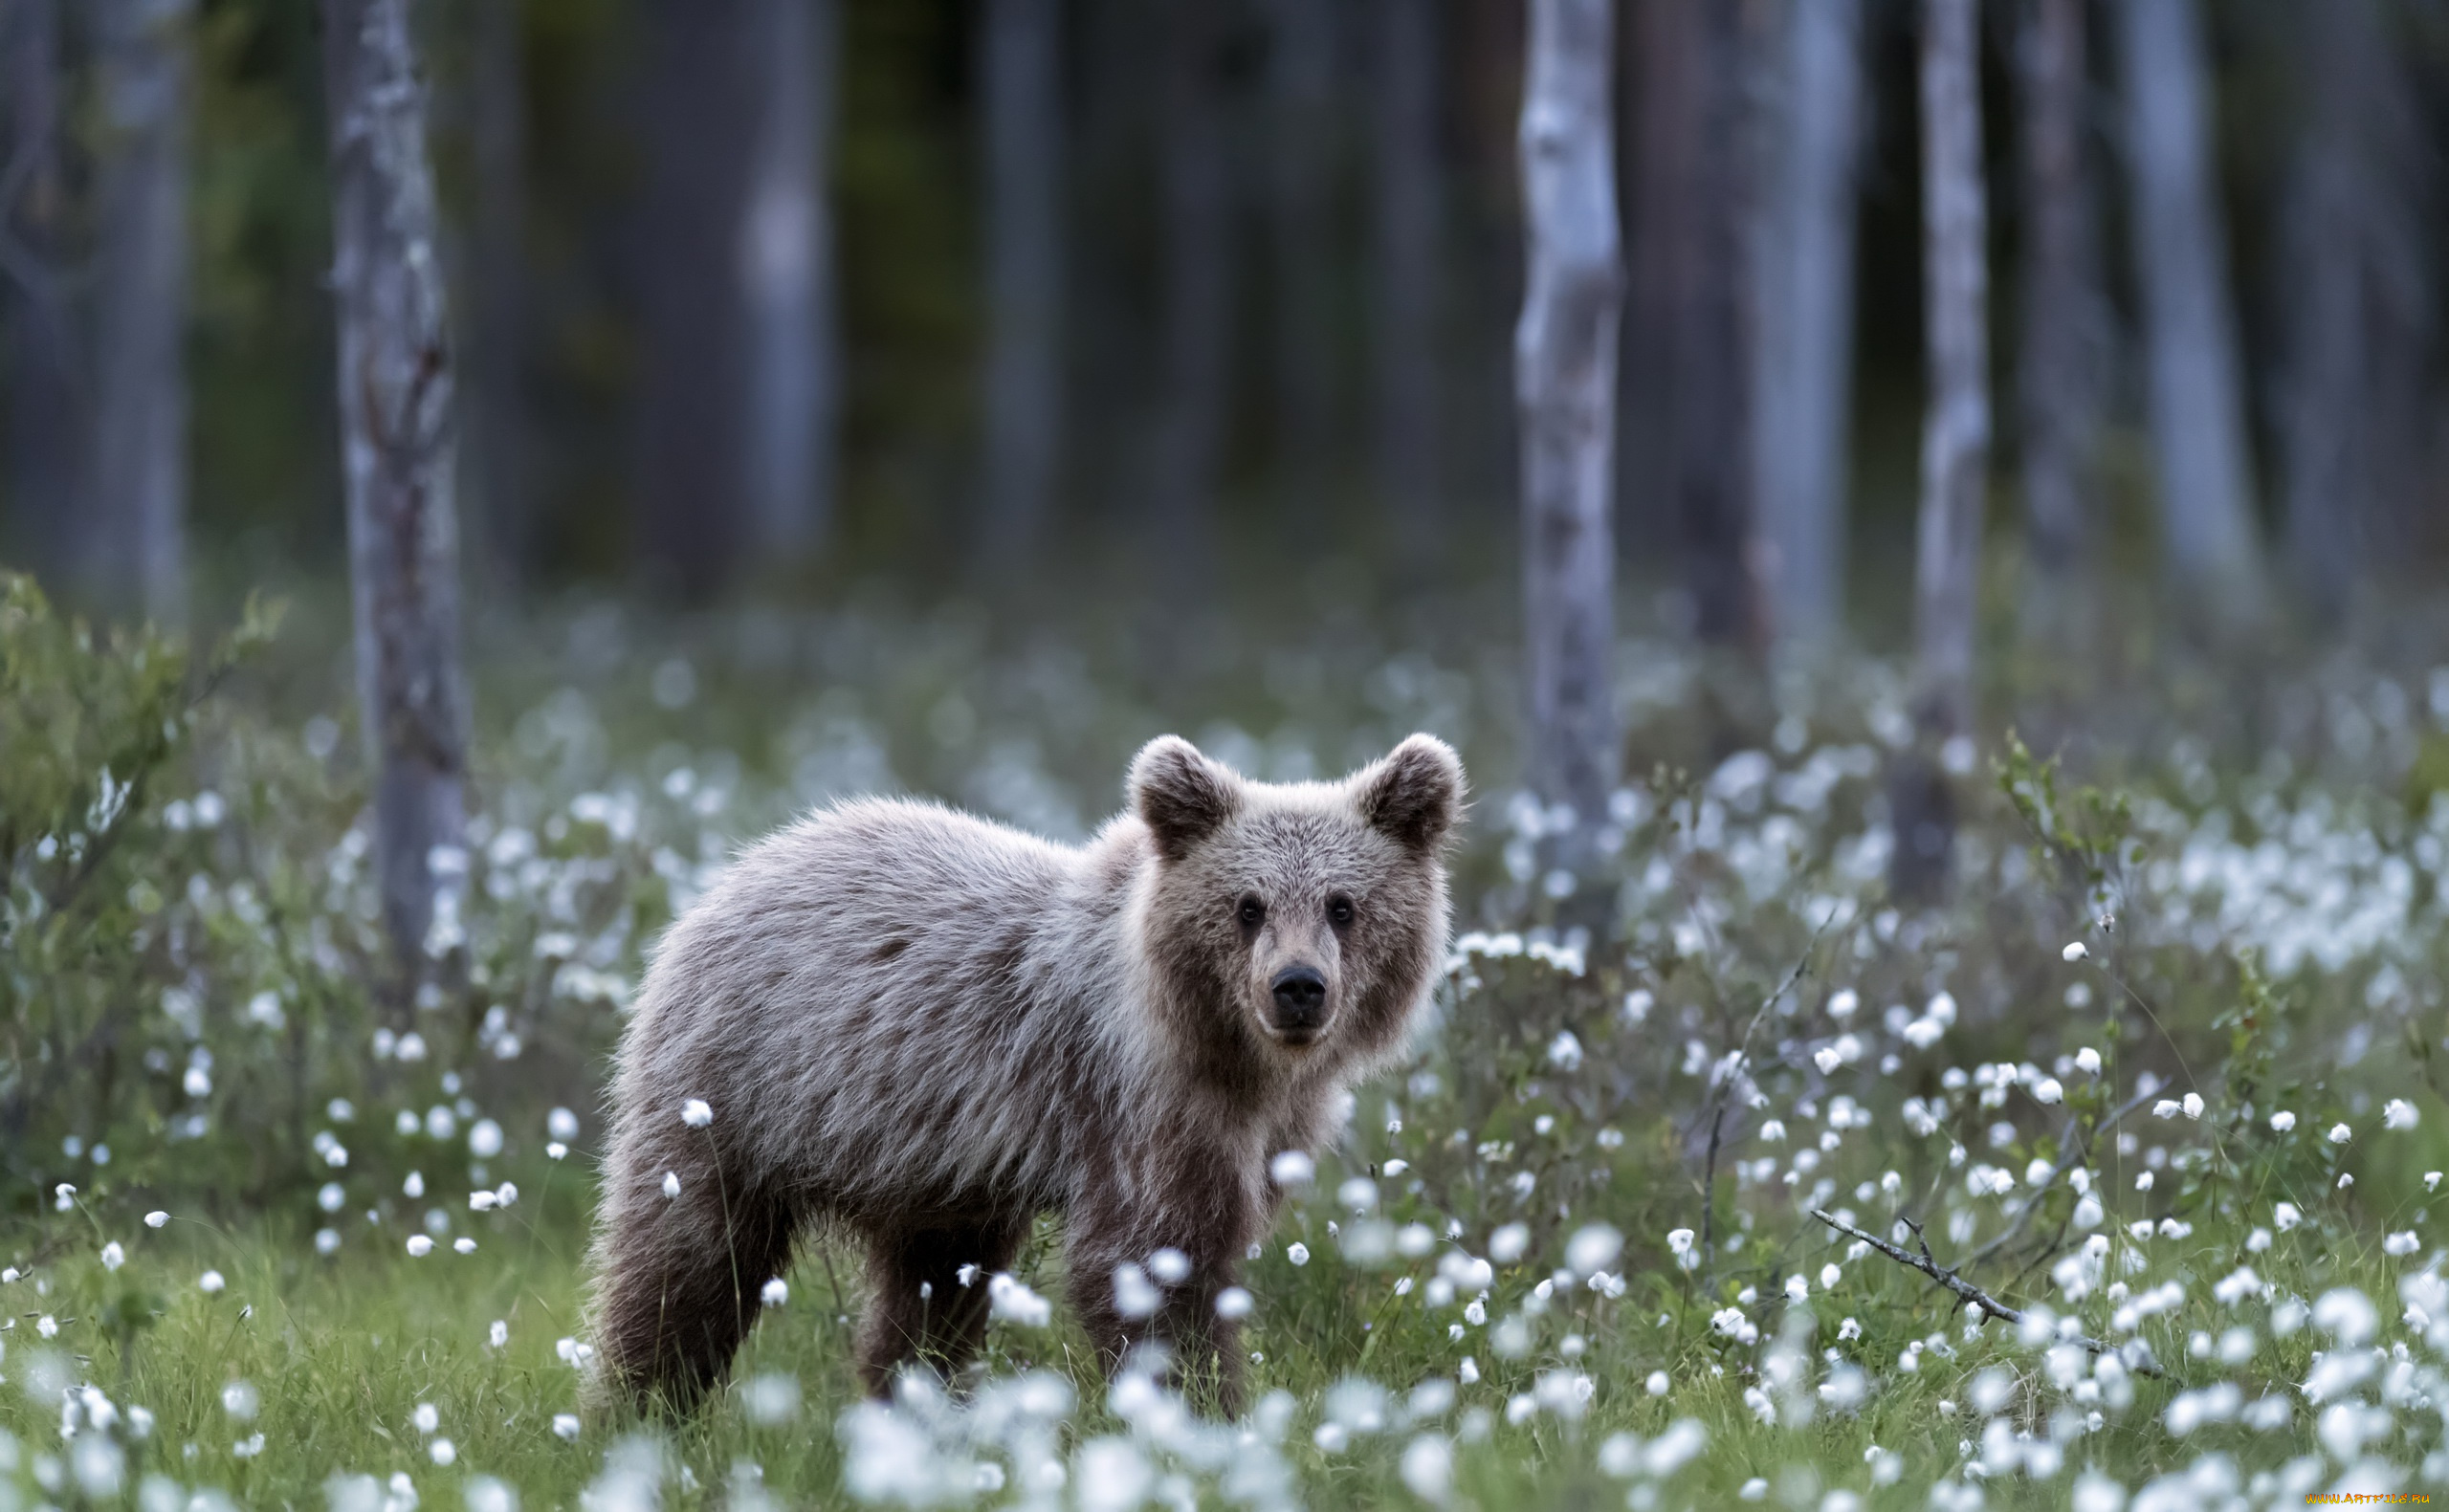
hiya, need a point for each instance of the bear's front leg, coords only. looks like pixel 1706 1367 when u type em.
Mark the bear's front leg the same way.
pixel 1186 1254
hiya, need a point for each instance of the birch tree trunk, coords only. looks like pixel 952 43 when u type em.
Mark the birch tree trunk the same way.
pixel 2180 253
pixel 2359 313
pixel 1020 64
pixel 1407 220
pixel 497 343
pixel 2063 350
pixel 1197 293
pixel 786 262
pixel 1803 329
pixel 397 446
pixel 1301 58
pixel 1564 364
pixel 139 305
pixel 48 452
pixel 1955 448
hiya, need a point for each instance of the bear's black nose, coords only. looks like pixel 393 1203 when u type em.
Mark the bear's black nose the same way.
pixel 1300 997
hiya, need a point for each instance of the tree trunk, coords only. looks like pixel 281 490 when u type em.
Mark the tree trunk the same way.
pixel 2358 310
pixel 140 303
pixel 694 394
pixel 397 446
pixel 1803 331
pixel 2064 351
pixel 1692 352
pixel 1198 294
pixel 497 343
pixel 1301 58
pixel 784 256
pixel 1956 447
pixel 1564 364
pixel 1021 66
pixel 1408 228
pixel 48 456
pixel 2180 253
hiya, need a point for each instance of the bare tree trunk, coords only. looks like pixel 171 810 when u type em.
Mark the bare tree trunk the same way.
pixel 1301 58
pixel 1564 364
pixel 1021 66
pixel 1692 362
pixel 1956 447
pixel 497 345
pixel 1197 293
pixel 1803 331
pixel 785 261
pixel 1409 216
pixel 692 398
pixel 139 374
pixel 2180 252
pixel 49 455
pixel 2063 350
pixel 397 446
pixel 2358 309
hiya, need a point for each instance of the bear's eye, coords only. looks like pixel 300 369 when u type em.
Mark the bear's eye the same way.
pixel 1338 911
pixel 1253 912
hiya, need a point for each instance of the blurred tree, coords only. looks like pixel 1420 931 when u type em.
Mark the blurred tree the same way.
pixel 1198 292
pixel 2357 312
pixel 1955 450
pixel 1691 353
pixel 1021 121
pixel 1407 224
pixel 2181 260
pixel 48 449
pixel 2062 352
pixel 701 120
pixel 1302 158
pixel 139 305
pixel 1803 325
pixel 1564 360
pixel 397 455
pixel 785 258
pixel 497 334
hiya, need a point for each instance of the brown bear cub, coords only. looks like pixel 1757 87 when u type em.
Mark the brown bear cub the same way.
pixel 923 1029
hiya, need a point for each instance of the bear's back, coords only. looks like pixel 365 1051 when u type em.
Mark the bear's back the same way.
pixel 922 1004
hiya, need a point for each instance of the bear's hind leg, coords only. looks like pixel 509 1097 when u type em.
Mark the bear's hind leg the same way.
pixel 918 1309
pixel 682 1279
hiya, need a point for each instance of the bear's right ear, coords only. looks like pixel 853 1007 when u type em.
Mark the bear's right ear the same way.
pixel 1182 796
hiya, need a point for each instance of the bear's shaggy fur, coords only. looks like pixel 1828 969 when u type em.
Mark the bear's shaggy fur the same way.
pixel 925 1029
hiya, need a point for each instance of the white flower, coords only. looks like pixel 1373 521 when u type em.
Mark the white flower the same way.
pixel 210 1282
pixel 1679 1240
pixel 1012 1301
pixel 1658 1384
pixel 2283 1121
pixel 557 1151
pixel 696 1113
pixel 2074 952
pixel 2087 1060
pixel 566 1425
pixel 1290 1168
pixel 426 1417
pixel 2192 1105
pixel 2399 1113
pixel 670 1184
pixel 2285 1216
pixel 113 1256
pixel 562 1123
pixel 2165 1107
pixel 1829 1277
pixel 464 1245
pixel 1233 1302
pixel 2400 1244
pixel 1797 1288
pixel 1827 1059
pixel 2049 1092
pixel 444 1452
pixel 419 1245
pixel 776 1292
pixel 156 1219
pixel 2432 1181
pixel 498 1334
pixel 2340 1133
pixel 1297 1252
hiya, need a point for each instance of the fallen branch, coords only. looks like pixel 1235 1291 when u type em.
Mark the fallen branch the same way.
pixel 1967 1293
pixel 2079 1150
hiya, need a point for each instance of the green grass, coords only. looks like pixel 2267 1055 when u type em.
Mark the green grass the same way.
pixel 341 1351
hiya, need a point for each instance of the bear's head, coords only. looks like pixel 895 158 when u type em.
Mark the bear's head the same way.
pixel 1295 922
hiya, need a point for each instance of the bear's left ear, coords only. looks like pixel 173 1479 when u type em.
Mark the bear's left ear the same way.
pixel 1182 796
pixel 1415 795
